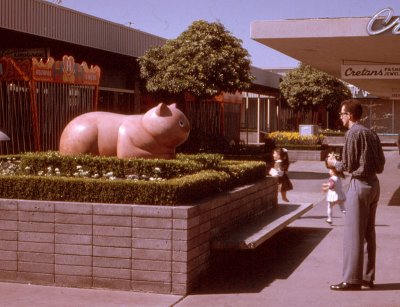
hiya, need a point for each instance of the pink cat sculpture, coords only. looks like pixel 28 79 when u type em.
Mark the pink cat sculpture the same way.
pixel 155 134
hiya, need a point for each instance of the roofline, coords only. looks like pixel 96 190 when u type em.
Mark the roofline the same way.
pixel 45 19
pixel 41 18
pixel 309 28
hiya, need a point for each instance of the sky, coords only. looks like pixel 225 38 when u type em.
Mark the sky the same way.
pixel 169 18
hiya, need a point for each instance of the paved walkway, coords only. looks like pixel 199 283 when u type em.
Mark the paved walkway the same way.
pixel 294 268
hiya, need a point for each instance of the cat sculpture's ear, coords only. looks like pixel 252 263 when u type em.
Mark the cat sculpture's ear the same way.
pixel 162 110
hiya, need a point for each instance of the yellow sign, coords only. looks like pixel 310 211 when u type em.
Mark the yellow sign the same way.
pixel 65 71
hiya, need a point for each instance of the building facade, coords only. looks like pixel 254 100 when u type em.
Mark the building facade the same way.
pixel 362 51
pixel 36 28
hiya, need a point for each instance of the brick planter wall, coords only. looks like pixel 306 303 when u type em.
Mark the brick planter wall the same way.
pixel 130 247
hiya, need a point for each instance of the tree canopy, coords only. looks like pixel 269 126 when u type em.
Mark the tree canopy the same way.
pixel 204 61
pixel 306 88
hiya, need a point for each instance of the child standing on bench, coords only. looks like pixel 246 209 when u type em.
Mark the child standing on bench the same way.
pixel 335 194
pixel 281 166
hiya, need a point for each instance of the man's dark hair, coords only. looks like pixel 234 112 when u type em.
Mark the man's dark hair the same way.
pixel 354 107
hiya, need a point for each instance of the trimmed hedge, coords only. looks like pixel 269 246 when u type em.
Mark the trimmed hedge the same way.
pixel 187 179
pixel 33 163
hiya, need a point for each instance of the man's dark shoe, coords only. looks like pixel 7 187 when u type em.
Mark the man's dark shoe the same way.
pixel 367 284
pixel 344 286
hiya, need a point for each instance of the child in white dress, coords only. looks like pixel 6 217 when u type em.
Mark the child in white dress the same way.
pixel 335 194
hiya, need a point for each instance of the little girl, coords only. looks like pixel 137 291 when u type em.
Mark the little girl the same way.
pixel 281 166
pixel 335 193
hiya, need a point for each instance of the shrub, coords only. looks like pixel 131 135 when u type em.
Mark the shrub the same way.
pixel 49 176
pixel 291 140
pixel 96 167
pixel 330 132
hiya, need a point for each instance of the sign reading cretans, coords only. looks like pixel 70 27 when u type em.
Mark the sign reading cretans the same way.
pixel 383 21
pixel 358 71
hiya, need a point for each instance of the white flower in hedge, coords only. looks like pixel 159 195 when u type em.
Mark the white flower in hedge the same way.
pixel 157 171
pixel 78 167
pixel 28 168
pixel 84 173
pixel 49 171
pixel 152 179
pixel 109 174
pixel 76 174
pixel 95 176
pixel 40 173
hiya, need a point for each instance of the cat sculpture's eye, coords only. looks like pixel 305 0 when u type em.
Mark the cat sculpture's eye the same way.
pixel 181 123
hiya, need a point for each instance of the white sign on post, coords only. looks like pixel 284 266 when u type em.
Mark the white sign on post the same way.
pixel 358 71
pixel 395 94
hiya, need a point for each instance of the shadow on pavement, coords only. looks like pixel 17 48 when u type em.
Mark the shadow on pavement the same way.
pixel 313 217
pixel 250 271
pixel 385 287
pixel 395 199
pixel 308 175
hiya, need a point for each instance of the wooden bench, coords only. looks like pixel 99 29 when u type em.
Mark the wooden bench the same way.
pixel 260 228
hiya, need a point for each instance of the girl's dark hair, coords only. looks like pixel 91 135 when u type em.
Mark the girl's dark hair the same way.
pixel 283 154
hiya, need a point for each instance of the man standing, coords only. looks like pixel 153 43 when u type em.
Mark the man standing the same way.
pixel 362 157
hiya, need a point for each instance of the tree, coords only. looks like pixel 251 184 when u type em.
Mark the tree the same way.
pixel 307 88
pixel 204 61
